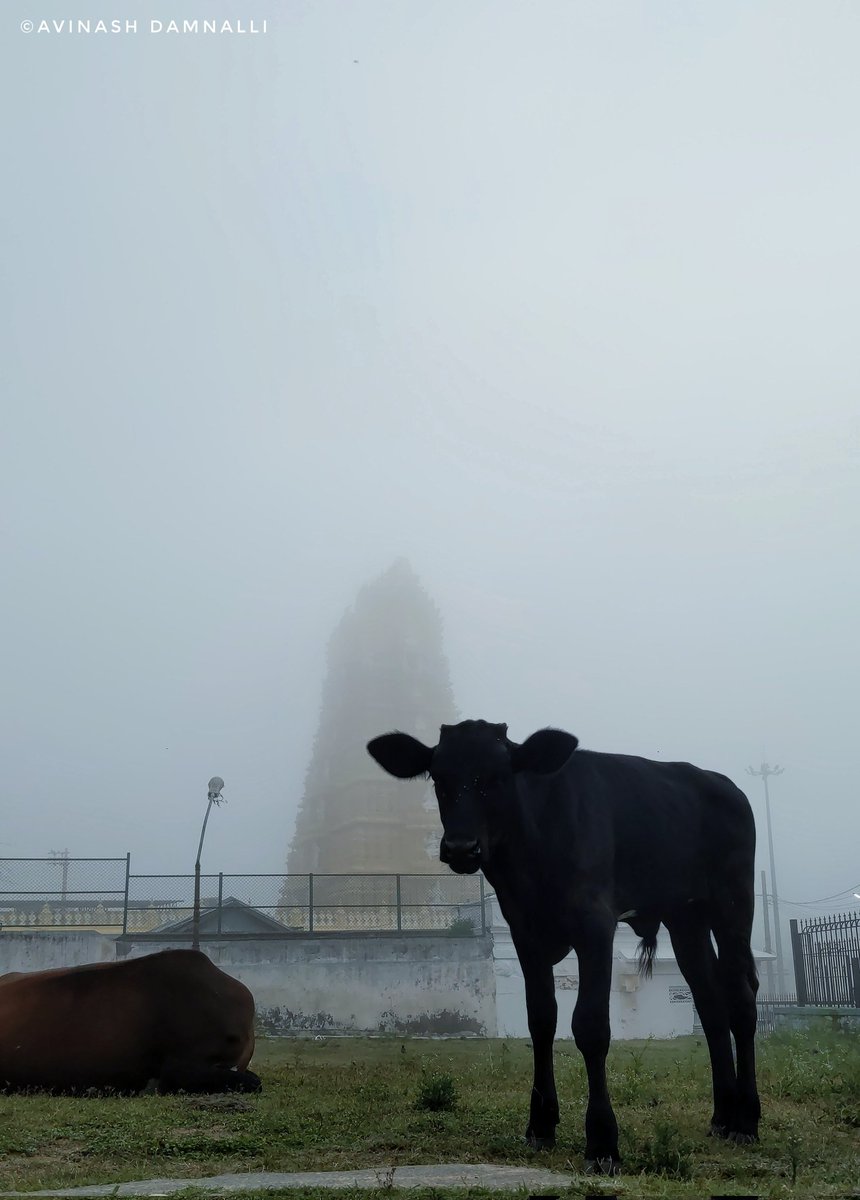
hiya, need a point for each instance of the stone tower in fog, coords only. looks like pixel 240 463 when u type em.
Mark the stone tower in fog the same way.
pixel 386 670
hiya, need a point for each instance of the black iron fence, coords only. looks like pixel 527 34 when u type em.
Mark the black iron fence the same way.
pixel 772 1010
pixel 103 894
pixel 826 952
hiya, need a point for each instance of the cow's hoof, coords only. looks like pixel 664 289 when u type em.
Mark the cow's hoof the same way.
pixel 540 1143
pixel 611 1165
pixel 741 1137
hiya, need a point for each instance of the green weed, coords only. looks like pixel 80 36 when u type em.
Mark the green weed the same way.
pixel 665 1153
pixel 437 1093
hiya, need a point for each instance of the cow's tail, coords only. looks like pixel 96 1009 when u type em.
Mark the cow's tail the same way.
pixel 647 950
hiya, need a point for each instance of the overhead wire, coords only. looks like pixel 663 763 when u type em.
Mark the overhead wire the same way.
pixel 824 904
pixel 855 887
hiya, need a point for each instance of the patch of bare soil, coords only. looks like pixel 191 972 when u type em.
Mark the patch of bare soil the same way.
pixel 225 1103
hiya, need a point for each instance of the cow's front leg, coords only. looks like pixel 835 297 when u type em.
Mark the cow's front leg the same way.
pixel 542 1013
pixel 591 1033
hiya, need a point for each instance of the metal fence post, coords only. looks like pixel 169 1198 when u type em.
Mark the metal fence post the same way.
pixel 483 906
pixel 799 964
pixel 855 982
pixel 310 903
pixel 220 896
pixel 399 909
pixel 125 898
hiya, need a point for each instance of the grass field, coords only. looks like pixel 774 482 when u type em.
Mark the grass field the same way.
pixel 346 1103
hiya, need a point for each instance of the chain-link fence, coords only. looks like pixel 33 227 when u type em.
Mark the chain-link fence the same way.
pixel 165 903
pixel 101 893
pixel 63 893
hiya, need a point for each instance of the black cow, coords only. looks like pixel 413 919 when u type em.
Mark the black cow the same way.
pixel 572 843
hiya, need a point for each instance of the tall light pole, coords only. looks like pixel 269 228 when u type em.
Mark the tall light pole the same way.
pixel 767 946
pixel 216 783
pixel 63 856
pixel 764 772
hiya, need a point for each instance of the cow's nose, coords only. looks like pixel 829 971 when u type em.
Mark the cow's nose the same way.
pixel 459 850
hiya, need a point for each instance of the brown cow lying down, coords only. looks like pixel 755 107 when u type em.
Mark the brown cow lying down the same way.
pixel 171 1017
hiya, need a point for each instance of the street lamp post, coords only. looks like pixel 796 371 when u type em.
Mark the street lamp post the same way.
pixel 63 856
pixel 764 772
pixel 216 783
pixel 767 946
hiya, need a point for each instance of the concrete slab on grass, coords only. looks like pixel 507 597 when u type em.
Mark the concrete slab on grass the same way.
pixel 447 1175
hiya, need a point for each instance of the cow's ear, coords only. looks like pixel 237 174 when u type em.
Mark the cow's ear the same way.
pixel 545 752
pixel 401 755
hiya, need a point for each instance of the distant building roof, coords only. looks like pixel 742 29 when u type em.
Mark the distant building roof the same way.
pixel 235 917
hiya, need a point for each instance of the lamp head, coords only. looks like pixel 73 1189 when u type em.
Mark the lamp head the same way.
pixel 216 783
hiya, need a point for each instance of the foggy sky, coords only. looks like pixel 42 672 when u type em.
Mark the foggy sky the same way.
pixel 559 301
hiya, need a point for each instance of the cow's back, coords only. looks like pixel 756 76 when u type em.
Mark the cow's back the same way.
pixel 655 833
pixel 207 1013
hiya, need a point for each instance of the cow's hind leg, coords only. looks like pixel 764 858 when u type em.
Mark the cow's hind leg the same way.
pixel 186 1075
pixel 542 1014
pixel 592 1033
pixel 740 986
pixel 694 951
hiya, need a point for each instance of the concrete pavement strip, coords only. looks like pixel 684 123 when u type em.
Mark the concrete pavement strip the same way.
pixel 446 1175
